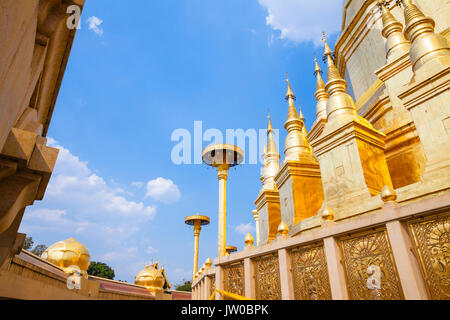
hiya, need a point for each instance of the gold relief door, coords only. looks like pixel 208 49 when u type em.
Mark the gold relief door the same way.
pixel 267 278
pixel 431 238
pixel 310 273
pixel 234 279
pixel 370 267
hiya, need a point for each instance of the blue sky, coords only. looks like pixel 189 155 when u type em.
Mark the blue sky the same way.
pixel 140 70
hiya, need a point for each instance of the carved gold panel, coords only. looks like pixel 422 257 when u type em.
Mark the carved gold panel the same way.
pixel 370 267
pixel 234 278
pixel 267 278
pixel 213 285
pixel 431 237
pixel 310 273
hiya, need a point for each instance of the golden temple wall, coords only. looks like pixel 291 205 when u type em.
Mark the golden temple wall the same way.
pixel 399 252
pixel 28 277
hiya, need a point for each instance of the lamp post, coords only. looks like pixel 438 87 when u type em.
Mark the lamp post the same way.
pixel 197 221
pixel 223 157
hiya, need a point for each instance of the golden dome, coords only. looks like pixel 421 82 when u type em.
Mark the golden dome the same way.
pixel 152 278
pixel 283 229
pixel 249 240
pixel 388 194
pixel 70 255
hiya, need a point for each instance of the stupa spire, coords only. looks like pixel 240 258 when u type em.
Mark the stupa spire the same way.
pixel 296 142
pixel 339 103
pixel 332 72
pixel 426 44
pixel 292 111
pixel 396 44
pixel 271 159
pixel 271 146
pixel 321 95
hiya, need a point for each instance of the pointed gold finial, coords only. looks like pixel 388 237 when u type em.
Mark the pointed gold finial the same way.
pixel 328 51
pixel 283 229
pixel 296 142
pixel 300 114
pixel 269 127
pixel 290 93
pixel 388 194
pixel 271 160
pixel 208 263
pixel 321 95
pixel 292 111
pixel 328 56
pixel 249 240
pixel 317 69
pixel 340 104
pixel 326 213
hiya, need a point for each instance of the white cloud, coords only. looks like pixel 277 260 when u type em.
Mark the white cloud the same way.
pixel 150 250
pixel 303 20
pixel 74 185
pixel 244 229
pixel 122 255
pixel 137 184
pixel 178 275
pixel 164 190
pixel 94 25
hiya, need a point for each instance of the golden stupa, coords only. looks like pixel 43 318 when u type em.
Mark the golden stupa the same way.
pixel 152 278
pixel 70 255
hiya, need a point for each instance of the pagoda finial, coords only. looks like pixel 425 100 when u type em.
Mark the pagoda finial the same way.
pixel 317 69
pixel 269 127
pixel 321 95
pixel 328 51
pixel 339 103
pixel 290 93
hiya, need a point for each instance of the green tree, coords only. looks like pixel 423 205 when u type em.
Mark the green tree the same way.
pixel 28 243
pixel 102 270
pixel 39 249
pixel 184 287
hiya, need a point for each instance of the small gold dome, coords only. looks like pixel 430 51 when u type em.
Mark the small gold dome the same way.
pixel 388 194
pixel 249 240
pixel 326 213
pixel 69 255
pixel 208 263
pixel 283 229
pixel 151 278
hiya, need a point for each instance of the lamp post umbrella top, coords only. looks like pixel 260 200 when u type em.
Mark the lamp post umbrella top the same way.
pixel 231 249
pixel 222 154
pixel 204 220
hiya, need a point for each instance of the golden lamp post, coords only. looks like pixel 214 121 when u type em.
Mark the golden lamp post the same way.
pixel 223 157
pixel 197 221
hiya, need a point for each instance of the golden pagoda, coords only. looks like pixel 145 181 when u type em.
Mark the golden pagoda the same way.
pixel 359 207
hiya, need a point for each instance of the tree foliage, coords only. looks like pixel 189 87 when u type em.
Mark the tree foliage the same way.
pixel 102 270
pixel 38 249
pixel 184 287
pixel 28 243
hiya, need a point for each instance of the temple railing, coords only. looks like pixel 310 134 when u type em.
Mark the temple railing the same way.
pixel 389 254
